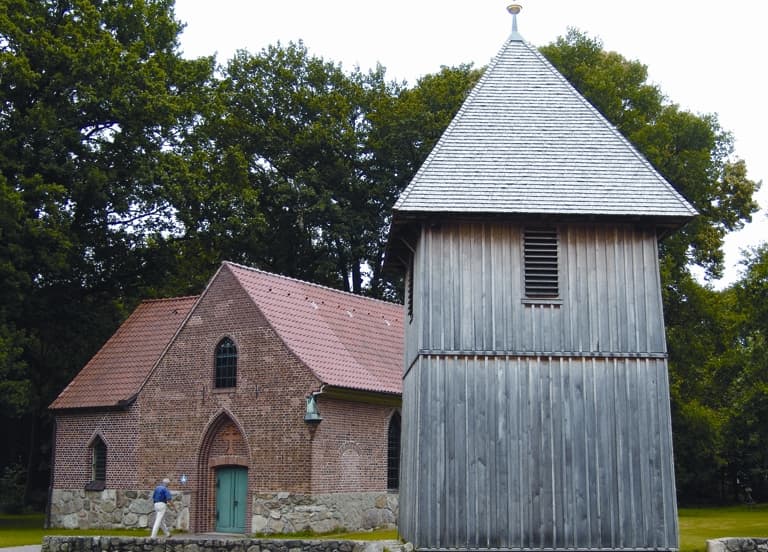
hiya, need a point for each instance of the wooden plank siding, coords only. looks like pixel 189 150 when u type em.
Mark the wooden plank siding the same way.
pixel 469 293
pixel 540 452
pixel 532 425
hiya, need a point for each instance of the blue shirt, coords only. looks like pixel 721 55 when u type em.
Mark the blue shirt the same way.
pixel 161 494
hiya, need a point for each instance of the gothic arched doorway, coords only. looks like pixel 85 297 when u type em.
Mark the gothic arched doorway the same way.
pixel 222 483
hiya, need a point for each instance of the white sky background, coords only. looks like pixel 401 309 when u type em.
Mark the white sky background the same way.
pixel 706 56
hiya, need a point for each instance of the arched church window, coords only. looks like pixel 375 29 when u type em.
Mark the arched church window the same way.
pixel 226 363
pixel 393 453
pixel 98 461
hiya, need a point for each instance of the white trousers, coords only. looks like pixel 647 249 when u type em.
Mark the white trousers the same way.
pixel 160 509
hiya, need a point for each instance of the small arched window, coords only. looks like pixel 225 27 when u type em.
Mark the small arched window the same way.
pixel 226 363
pixel 393 453
pixel 98 461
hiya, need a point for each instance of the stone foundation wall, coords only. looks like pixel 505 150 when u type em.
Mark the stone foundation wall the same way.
pixel 113 509
pixel 291 513
pixel 270 513
pixel 738 544
pixel 114 544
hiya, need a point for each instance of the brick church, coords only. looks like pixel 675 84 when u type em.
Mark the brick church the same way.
pixel 272 404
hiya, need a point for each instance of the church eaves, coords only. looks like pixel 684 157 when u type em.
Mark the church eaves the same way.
pixel 525 142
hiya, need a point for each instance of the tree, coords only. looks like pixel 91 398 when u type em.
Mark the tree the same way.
pixel 321 156
pixel 94 101
pixel 702 336
pixel 746 432
pixel 404 130
pixel 279 164
pixel 127 172
pixel 752 289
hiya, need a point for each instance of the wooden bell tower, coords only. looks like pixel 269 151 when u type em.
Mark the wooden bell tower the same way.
pixel 535 400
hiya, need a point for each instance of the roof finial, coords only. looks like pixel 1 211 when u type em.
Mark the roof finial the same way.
pixel 514 9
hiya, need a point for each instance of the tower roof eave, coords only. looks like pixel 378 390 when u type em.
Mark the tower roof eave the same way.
pixel 526 142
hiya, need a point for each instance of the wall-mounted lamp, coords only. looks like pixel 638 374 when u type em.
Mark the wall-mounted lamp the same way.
pixel 312 415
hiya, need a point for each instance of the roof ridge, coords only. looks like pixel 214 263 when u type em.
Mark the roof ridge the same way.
pixel 313 284
pixel 454 121
pixel 169 299
pixel 604 120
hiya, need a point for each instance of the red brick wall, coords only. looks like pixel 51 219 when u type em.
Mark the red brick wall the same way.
pixel 74 434
pixel 350 447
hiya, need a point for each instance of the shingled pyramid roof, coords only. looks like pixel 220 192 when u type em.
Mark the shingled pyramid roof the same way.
pixel 526 142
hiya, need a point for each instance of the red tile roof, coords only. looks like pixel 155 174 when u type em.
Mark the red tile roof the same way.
pixel 115 374
pixel 347 340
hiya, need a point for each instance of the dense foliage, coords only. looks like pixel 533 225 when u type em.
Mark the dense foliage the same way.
pixel 296 164
pixel 94 102
pixel 128 172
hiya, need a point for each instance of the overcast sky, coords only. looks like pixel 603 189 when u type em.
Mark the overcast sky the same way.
pixel 706 56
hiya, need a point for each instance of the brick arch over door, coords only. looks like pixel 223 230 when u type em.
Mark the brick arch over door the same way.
pixel 223 444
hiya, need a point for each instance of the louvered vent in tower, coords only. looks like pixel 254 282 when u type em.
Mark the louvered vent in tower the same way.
pixel 541 266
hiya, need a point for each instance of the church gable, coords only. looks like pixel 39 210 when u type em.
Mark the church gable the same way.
pixel 183 394
pixel 346 340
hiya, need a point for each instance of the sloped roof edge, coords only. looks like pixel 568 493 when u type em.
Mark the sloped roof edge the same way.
pixel 79 393
pixel 181 326
pixel 454 122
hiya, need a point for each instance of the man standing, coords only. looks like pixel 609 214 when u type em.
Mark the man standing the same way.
pixel 163 500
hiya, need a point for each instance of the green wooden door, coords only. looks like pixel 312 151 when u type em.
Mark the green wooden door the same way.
pixel 231 492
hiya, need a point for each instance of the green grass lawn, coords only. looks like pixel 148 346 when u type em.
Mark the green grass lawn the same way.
pixel 699 524
pixel 696 526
